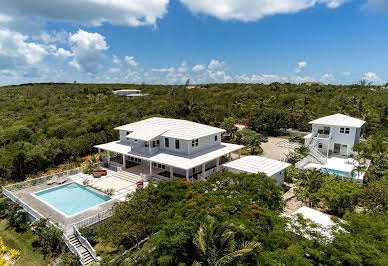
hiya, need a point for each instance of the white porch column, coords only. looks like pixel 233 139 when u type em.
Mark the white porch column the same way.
pixel 203 170
pixel 108 156
pixel 124 162
pixel 171 172
pixel 150 169
pixel 99 154
pixel 149 146
pixel 229 156
pixel 218 164
pixel 187 175
pixel 239 153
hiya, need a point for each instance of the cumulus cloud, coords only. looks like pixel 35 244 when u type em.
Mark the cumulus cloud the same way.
pixel 215 64
pixel 91 12
pixel 113 70
pixel 88 51
pixel 116 60
pixel 198 68
pixel 16 51
pixel 263 78
pixel 346 73
pixel 371 76
pixel 183 68
pixel 301 66
pixel 170 69
pixel 219 76
pixel 253 10
pixel 327 78
pixel 130 60
pixel 62 53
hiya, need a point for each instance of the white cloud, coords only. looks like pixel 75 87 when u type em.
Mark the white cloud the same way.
pixel 301 66
pixel 113 70
pixel 130 60
pixel 116 60
pixel 198 68
pixel 88 50
pixel 300 79
pixel 170 69
pixel 183 68
pixel 263 78
pixel 219 76
pixel 91 12
pixel 371 76
pixel 16 51
pixel 252 10
pixel 215 64
pixel 327 78
pixel 347 73
pixel 62 53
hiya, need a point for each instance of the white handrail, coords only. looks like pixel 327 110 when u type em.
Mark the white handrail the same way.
pixel 73 249
pixel 99 217
pixel 85 243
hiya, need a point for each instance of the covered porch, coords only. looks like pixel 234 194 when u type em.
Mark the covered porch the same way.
pixel 168 166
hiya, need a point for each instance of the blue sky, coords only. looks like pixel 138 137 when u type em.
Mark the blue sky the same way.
pixel 169 41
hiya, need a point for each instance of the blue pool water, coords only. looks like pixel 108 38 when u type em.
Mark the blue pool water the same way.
pixel 71 198
pixel 338 172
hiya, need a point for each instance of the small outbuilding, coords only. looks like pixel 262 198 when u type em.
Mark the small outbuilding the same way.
pixel 257 164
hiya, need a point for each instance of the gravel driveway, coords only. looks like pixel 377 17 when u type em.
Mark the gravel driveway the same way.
pixel 272 151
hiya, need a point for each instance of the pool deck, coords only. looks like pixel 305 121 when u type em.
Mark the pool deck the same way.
pixel 51 213
pixel 336 163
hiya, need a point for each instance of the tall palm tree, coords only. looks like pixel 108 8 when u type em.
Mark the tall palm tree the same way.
pixel 216 244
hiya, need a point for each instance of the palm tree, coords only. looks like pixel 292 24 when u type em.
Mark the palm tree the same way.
pixel 216 244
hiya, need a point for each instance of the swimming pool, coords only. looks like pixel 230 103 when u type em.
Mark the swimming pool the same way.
pixel 338 172
pixel 71 198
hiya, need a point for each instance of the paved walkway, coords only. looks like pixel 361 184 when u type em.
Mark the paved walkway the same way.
pixel 273 151
pixel 288 144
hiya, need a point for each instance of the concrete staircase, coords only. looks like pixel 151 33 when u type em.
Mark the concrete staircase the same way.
pixel 133 178
pixel 86 256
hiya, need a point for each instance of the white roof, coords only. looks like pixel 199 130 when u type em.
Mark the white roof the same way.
pixel 257 164
pixel 147 134
pixel 172 128
pixel 125 91
pixel 339 120
pixel 323 220
pixel 173 159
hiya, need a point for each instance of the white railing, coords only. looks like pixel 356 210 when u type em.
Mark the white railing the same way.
pixel 209 172
pixel 24 205
pixel 318 155
pixel 85 243
pixel 73 249
pixel 158 178
pixel 43 179
pixel 99 217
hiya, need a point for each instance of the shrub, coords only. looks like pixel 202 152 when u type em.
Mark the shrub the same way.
pixel 4 206
pixel 18 218
pixel 90 234
pixel 49 237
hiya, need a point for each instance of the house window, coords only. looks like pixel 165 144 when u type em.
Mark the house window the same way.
pixel 167 142
pixel 215 138
pixel 153 144
pixel 177 144
pixel 146 144
pixel 194 142
pixel 157 143
pixel 320 145
pixel 345 130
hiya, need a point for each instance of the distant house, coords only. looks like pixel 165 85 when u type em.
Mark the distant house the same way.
pixel 331 144
pixel 130 93
pixel 312 83
pixel 257 164
pixel 189 87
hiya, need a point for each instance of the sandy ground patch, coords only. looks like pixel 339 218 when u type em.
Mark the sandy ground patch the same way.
pixel 274 152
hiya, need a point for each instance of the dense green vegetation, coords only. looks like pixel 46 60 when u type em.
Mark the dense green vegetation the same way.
pixel 44 125
pixel 234 219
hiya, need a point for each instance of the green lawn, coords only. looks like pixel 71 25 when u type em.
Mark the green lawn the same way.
pixel 23 243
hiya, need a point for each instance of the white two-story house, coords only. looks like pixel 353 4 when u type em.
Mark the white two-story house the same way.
pixel 171 148
pixel 334 135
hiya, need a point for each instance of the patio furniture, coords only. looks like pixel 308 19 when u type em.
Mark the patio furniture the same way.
pixel 50 181
pixel 96 175
pixel 100 172
pixel 61 180
pixel 140 185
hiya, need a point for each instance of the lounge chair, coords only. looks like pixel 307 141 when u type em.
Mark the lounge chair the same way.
pixel 51 181
pixel 61 180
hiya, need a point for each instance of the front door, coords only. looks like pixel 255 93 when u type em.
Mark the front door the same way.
pixel 337 148
pixel 344 150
